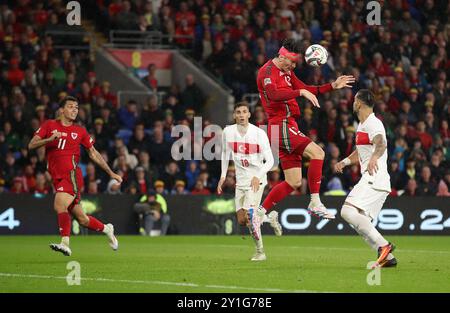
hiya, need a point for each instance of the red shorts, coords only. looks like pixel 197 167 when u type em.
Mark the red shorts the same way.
pixel 71 184
pixel 291 142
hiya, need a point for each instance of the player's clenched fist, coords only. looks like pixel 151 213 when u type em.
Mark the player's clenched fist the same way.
pixel 339 167
pixel 255 184
pixel 55 135
pixel 116 177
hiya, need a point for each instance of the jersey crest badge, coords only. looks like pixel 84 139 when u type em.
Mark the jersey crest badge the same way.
pixel 74 135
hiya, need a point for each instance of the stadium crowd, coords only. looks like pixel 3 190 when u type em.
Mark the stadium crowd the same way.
pixel 404 62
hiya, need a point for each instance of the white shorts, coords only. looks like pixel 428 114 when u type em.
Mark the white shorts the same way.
pixel 246 198
pixel 367 199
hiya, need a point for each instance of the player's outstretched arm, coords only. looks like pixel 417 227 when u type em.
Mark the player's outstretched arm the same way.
pixel 37 141
pixel 343 81
pixel 98 159
pixel 380 147
pixel 350 160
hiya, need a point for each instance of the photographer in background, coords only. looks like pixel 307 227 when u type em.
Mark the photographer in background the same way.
pixel 152 208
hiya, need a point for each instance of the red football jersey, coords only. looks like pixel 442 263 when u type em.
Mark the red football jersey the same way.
pixel 63 154
pixel 278 91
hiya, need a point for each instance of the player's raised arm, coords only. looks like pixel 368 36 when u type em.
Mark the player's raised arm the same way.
pixel 98 159
pixel 350 160
pixel 224 160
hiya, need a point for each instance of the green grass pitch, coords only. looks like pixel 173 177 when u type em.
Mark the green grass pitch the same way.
pixel 184 264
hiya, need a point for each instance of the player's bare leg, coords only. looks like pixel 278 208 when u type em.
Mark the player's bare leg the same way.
pixel 363 226
pixel 243 219
pixel 61 205
pixel 316 156
pixel 92 223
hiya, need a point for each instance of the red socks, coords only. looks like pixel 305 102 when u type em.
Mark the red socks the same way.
pixel 278 193
pixel 95 224
pixel 314 175
pixel 64 222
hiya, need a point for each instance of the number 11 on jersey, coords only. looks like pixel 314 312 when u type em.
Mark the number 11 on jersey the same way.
pixel 61 143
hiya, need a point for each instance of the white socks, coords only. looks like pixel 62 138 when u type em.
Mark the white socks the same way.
pixel 258 243
pixel 363 226
pixel 65 241
pixel 315 198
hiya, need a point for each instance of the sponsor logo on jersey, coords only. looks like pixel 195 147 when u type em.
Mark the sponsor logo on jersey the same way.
pixel 74 135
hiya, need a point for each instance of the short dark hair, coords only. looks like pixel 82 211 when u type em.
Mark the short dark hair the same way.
pixel 367 97
pixel 63 102
pixel 241 104
pixel 291 45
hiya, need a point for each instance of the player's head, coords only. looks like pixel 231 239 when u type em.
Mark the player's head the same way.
pixel 364 99
pixel 241 113
pixel 69 108
pixel 289 54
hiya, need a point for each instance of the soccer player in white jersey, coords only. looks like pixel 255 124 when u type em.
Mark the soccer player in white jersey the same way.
pixel 364 202
pixel 249 147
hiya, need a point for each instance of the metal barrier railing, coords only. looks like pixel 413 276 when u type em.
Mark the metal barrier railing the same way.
pixel 148 39
pixel 141 97
pixel 72 40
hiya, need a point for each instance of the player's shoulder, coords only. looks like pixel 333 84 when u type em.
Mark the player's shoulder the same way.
pixel 268 69
pixel 49 122
pixel 375 121
pixel 255 128
pixel 229 128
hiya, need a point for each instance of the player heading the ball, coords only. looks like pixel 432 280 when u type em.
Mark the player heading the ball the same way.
pixel 278 89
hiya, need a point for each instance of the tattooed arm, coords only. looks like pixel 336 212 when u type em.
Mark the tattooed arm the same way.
pixel 380 147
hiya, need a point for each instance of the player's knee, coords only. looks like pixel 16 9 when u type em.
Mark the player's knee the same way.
pixel 295 183
pixel 83 220
pixel 346 213
pixel 318 153
pixel 242 217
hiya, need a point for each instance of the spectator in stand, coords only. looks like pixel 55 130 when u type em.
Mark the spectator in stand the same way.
pixel 199 189
pixel 150 79
pixel 128 115
pixel 139 141
pixel 160 187
pixel 179 188
pixel 192 96
pixel 427 186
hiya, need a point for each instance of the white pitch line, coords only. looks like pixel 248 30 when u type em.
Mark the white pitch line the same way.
pixel 155 282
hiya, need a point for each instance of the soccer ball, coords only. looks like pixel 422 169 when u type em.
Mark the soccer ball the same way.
pixel 316 55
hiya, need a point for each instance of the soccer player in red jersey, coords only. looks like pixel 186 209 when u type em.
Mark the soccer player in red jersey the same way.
pixel 62 139
pixel 278 89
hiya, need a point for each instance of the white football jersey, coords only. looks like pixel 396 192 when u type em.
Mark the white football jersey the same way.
pixel 248 153
pixel 365 133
